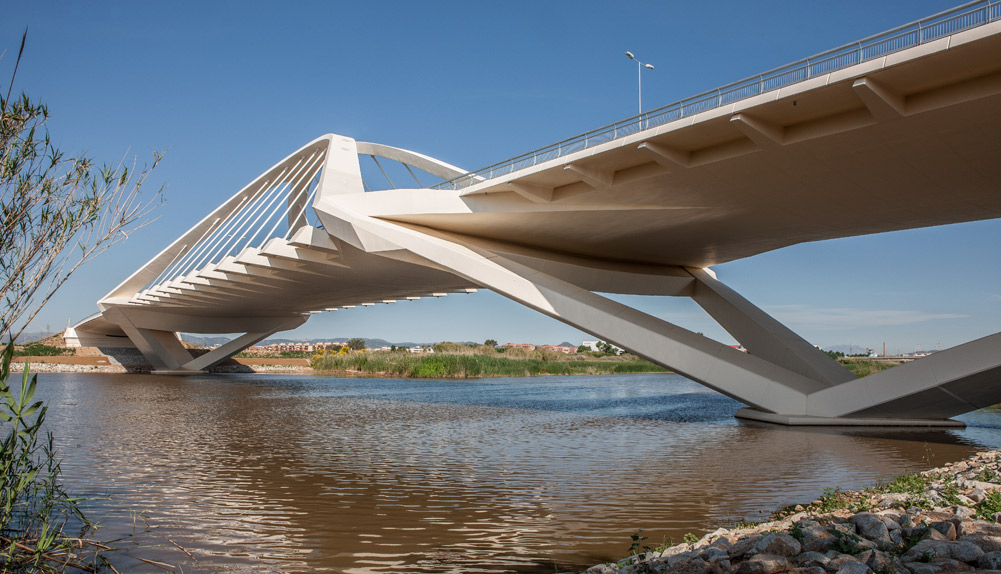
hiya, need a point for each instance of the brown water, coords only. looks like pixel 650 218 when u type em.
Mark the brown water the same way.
pixel 270 473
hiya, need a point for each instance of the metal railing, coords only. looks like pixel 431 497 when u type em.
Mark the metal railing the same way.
pixel 920 32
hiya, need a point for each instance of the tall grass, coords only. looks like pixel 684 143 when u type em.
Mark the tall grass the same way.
pixel 34 508
pixel 441 365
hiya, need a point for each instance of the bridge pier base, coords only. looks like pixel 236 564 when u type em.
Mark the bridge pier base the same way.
pixel 750 414
pixel 153 334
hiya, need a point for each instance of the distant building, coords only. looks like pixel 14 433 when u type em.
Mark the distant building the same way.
pixel 558 349
pixel 420 349
pixel 293 347
pixel 593 346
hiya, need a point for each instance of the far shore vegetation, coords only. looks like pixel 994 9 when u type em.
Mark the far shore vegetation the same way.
pixel 457 360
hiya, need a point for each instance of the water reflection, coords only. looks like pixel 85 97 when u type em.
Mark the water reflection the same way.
pixel 301 474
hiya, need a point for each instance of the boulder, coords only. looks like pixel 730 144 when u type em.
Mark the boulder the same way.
pixel 990 561
pixel 985 542
pixel 854 568
pixel 808 570
pixel 947 528
pixel 838 560
pixel 871 527
pixel 810 559
pixel 879 561
pixel 778 543
pixel 743 546
pixel 763 564
pixel 936 534
pixel 926 551
pixel 817 539
pixel 965 552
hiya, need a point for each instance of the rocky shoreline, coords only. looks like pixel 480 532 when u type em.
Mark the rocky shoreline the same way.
pixel 937 521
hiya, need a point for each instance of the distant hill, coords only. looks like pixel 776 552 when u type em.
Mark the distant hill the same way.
pixel 204 341
pixel 25 338
pixel 848 349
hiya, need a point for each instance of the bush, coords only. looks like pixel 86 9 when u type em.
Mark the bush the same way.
pixel 34 508
pixel 40 350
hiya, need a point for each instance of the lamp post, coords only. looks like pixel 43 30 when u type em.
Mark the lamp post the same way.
pixel 639 77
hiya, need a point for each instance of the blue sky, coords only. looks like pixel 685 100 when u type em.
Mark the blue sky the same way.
pixel 228 88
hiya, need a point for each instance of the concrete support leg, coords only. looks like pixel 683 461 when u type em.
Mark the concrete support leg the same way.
pixel 161 348
pixel 223 352
pixel 761 334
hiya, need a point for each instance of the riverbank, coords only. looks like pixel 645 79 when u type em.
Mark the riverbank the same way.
pixel 457 366
pixel 940 520
pixel 130 363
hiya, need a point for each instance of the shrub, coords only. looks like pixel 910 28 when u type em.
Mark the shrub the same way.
pixel 34 508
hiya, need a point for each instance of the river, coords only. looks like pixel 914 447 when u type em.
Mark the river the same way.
pixel 288 473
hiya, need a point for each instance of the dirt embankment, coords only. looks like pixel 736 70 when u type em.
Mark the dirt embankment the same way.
pixel 130 360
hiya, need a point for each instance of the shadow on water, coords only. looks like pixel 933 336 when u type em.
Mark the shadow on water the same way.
pixel 275 473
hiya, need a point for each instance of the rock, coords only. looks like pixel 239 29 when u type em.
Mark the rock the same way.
pixel 743 546
pixel 985 486
pixel 678 558
pixel 990 561
pixel 950 565
pixel 676 549
pixel 965 500
pixel 906 521
pixel 896 537
pixel 943 566
pixel 603 569
pixel 982 527
pixel 985 542
pixel 693 566
pixel 948 529
pixel 722 542
pixel 915 533
pixel 965 551
pixel 844 527
pixel 885 563
pixel 871 527
pixel 778 543
pixel 926 551
pixel 936 534
pixel 890 522
pixel 922 568
pixel 838 560
pixel 963 511
pixel 808 570
pixel 817 539
pixel 712 554
pixel 809 559
pixel 977 495
pixel 854 568
pixel 891 499
pixel 763 564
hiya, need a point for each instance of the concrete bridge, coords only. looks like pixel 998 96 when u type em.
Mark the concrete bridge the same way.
pixel 907 123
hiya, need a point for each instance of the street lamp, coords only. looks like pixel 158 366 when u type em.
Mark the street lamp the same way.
pixel 639 76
